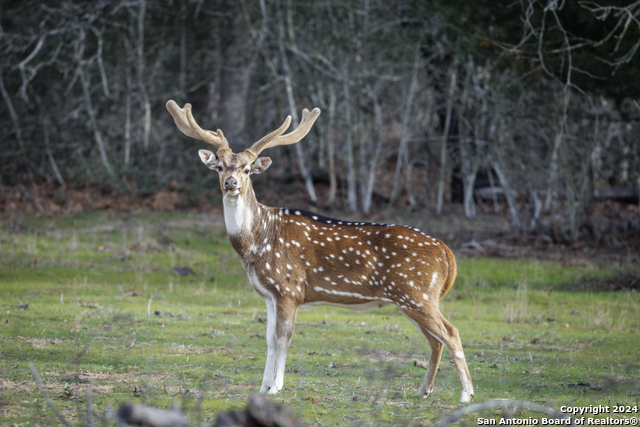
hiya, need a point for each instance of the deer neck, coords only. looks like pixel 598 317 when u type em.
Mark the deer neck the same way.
pixel 241 212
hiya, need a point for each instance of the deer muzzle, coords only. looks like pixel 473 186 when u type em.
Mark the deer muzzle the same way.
pixel 230 184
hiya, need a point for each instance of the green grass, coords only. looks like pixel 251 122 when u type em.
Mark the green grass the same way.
pixel 92 284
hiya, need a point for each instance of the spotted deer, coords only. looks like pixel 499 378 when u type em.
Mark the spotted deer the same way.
pixel 295 258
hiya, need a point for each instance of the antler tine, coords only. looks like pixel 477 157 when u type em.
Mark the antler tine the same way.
pixel 276 138
pixel 257 147
pixel 187 124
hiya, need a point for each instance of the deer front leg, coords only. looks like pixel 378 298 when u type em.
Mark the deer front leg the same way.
pixel 268 379
pixel 285 323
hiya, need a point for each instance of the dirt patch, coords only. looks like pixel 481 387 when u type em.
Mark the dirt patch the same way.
pixel 181 349
pixel 88 376
pixel 17 386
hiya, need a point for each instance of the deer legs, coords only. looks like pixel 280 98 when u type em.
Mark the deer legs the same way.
pixel 280 325
pixel 268 378
pixel 430 377
pixel 439 333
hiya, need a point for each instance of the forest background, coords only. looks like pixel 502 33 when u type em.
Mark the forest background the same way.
pixel 526 111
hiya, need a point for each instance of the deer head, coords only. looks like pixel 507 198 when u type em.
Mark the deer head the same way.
pixel 234 169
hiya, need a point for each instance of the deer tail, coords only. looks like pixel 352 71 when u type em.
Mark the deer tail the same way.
pixel 451 273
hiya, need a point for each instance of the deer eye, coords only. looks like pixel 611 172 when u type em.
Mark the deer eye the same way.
pixel 219 168
pixel 247 171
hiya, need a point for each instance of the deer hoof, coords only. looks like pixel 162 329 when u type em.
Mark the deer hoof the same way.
pixel 273 390
pixel 423 395
pixel 465 397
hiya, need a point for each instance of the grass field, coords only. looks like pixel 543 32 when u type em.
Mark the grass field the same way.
pixel 95 299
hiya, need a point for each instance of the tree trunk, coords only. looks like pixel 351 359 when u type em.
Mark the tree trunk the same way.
pixel 469 156
pixel 402 163
pixel 572 207
pixel 333 181
pixel 302 162
pixel 351 168
pixel 508 193
pixel 537 210
pixel 54 165
pixel 492 185
pixel 553 167
pixel 94 123
pixel 86 90
pixel 469 202
pixel 127 104
pixel 445 137
pixel 235 76
pixel 377 135
pixel 146 105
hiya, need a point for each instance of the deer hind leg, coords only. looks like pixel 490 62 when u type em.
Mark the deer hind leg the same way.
pixel 434 323
pixel 269 378
pixel 286 320
pixel 430 377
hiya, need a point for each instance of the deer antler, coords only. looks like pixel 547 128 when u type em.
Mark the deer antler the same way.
pixel 276 138
pixel 187 124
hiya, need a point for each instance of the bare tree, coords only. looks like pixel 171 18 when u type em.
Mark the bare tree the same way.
pixel 444 155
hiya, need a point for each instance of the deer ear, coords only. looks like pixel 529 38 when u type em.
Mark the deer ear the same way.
pixel 208 158
pixel 260 165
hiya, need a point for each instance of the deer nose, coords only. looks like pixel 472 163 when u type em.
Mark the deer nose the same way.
pixel 230 184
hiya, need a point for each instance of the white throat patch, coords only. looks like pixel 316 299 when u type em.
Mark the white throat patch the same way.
pixel 236 215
